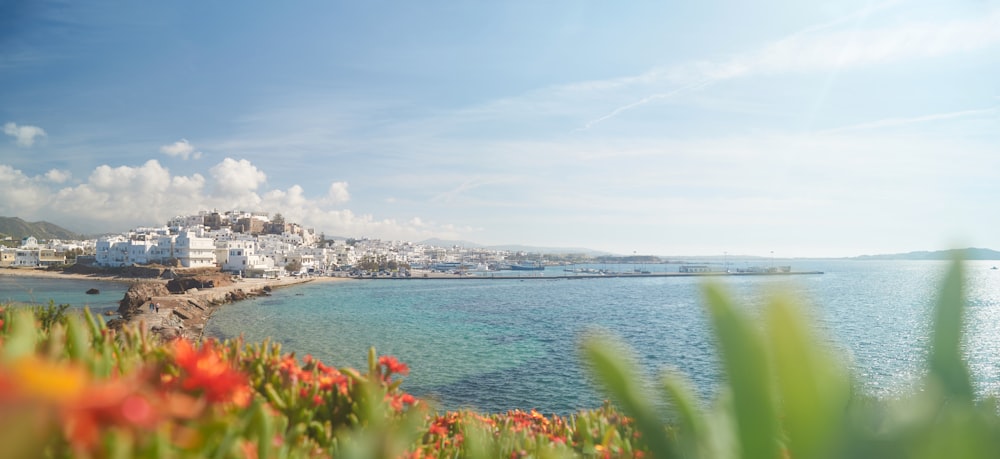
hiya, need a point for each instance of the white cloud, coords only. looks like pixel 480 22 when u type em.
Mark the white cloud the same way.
pixel 181 148
pixel 237 178
pixel 338 193
pixel 894 122
pixel 856 47
pixel 25 135
pixel 115 198
pixel 823 48
pixel 57 176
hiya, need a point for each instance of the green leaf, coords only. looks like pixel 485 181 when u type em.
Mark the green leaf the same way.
pixel 685 404
pixel 613 367
pixel 946 363
pixel 746 363
pixel 814 387
pixel 21 336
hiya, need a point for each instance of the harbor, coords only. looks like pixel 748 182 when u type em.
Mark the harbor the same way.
pixel 586 274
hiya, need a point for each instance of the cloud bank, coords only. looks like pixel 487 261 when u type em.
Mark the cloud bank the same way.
pixel 117 198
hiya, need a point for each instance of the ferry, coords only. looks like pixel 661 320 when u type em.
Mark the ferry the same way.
pixel 536 266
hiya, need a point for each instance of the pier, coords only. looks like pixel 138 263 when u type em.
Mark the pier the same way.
pixel 505 276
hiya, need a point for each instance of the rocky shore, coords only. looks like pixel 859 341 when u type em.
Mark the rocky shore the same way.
pixel 186 300
pixel 185 313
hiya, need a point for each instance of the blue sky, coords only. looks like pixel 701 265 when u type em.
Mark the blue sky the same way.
pixel 802 128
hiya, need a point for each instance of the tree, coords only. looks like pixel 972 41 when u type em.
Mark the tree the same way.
pixel 293 266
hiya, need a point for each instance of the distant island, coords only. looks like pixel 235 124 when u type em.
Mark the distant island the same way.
pixel 970 253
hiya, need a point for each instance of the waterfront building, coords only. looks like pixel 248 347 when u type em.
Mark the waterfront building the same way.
pixel 192 250
pixel 7 256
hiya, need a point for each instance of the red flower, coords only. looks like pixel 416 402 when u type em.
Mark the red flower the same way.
pixel 205 370
pixel 397 401
pixel 392 365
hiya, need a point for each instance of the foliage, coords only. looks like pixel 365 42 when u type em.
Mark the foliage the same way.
pixel 788 396
pixel 50 315
pixel 76 389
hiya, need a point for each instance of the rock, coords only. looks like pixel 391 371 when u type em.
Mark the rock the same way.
pixel 137 295
pixel 236 295
pixel 183 282
pixel 181 314
pixel 168 334
pixel 93 291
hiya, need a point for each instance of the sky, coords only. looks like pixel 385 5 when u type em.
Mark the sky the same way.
pixel 798 129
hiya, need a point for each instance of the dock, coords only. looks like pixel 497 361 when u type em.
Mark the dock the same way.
pixel 439 276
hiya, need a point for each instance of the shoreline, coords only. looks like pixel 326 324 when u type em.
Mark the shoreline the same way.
pixel 187 314
pixel 41 273
pixel 180 314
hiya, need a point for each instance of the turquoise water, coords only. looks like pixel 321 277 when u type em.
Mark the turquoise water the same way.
pixel 501 344
pixel 30 290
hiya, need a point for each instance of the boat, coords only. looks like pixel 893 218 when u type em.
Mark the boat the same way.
pixel 536 266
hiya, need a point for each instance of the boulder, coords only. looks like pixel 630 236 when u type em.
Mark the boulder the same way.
pixel 93 291
pixel 139 294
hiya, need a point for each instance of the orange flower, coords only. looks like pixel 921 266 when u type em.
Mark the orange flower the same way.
pixel 39 379
pixel 117 402
pixel 206 371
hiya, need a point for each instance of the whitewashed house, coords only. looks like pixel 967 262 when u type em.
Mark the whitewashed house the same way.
pixel 24 257
pixel 7 256
pixel 244 259
pixel 110 251
pixel 194 251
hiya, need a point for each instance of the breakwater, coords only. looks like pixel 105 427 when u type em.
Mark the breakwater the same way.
pixel 504 276
pixel 150 306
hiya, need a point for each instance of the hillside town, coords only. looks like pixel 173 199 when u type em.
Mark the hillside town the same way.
pixel 249 244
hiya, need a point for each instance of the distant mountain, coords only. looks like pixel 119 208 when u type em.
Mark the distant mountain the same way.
pixel 970 253
pixel 550 250
pixel 18 229
pixel 450 243
pixel 512 247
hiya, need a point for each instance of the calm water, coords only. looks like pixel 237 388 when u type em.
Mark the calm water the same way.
pixel 28 290
pixel 496 345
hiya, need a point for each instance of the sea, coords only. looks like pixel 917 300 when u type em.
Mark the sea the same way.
pixel 495 345
pixel 43 291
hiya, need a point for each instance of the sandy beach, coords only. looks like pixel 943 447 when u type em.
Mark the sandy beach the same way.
pixel 43 273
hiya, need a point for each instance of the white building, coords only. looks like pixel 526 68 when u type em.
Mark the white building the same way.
pixel 194 251
pixel 244 259
pixel 110 251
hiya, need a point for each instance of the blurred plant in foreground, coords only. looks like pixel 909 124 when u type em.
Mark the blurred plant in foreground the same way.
pixel 788 396
pixel 73 388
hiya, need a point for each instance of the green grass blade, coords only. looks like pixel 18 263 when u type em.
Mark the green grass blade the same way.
pixel 946 362
pixel 21 336
pixel 613 366
pixel 814 387
pixel 692 424
pixel 746 363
